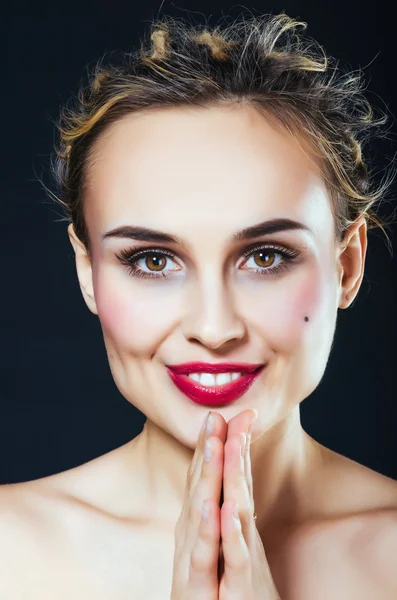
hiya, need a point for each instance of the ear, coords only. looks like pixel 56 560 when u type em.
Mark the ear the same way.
pixel 352 262
pixel 84 270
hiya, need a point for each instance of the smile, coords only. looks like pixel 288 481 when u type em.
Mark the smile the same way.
pixel 210 380
pixel 210 389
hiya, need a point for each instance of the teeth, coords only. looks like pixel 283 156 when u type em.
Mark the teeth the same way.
pixel 210 380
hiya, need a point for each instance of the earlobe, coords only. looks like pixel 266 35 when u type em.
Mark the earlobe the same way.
pixel 352 262
pixel 84 270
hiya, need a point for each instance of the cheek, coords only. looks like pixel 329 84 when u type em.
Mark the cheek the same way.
pixel 130 318
pixel 312 297
pixel 304 345
pixel 286 309
pixel 307 301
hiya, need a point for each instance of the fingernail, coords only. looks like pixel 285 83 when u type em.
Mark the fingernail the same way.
pixel 209 425
pixel 204 425
pixel 255 416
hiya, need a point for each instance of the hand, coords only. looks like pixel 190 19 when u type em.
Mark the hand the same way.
pixel 197 542
pixel 246 572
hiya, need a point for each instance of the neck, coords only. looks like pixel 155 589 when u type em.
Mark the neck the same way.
pixel 284 463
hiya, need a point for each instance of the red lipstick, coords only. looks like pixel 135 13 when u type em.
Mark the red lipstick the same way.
pixel 219 394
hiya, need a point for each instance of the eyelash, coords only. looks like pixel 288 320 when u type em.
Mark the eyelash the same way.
pixel 129 257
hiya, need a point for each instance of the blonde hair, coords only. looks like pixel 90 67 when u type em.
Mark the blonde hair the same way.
pixel 266 62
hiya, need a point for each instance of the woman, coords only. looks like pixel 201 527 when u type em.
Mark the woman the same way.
pixel 218 205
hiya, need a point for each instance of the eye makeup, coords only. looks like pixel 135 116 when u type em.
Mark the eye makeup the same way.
pixel 131 256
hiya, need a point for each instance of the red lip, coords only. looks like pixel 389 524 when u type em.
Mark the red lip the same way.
pixel 216 395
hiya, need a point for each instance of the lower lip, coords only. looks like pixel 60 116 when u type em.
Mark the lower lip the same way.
pixel 215 395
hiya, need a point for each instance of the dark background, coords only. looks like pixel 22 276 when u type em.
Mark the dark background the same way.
pixel 59 405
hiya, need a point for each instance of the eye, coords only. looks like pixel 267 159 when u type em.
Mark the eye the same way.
pixel 264 258
pixel 155 259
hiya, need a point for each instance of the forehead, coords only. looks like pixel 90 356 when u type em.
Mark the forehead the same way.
pixel 226 167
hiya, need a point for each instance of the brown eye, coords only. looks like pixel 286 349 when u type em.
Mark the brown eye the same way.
pixel 264 260
pixel 153 262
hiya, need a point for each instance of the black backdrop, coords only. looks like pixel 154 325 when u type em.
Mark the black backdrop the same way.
pixel 59 405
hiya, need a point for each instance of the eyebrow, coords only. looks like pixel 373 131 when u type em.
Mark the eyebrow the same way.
pixel 151 235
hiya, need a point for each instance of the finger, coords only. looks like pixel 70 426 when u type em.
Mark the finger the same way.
pixel 218 428
pixel 209 476
pixel 240 423
pixel 247 461
pixel 235 486
pixel 236 555
pixel 248 468
pixel 195 469
pixel 208 487
pixel 203 534
pixel 193 475
pixel 198 449
pixel 239 568
pixel 196 540
pixel 203 568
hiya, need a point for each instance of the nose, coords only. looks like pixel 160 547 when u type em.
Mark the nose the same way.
pixel 211 317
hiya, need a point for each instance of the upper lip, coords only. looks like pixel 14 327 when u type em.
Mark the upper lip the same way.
pixel 201 367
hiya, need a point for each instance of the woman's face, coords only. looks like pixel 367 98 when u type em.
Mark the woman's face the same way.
pixel 202 176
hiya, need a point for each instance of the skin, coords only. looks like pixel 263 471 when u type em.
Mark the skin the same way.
pixel 214 307
pixel 203 175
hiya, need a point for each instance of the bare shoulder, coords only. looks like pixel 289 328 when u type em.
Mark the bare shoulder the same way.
pixel 351 488
pixel 35 513
pixel 18 517
pixel 348 545
pixel 369 533
pixel 20 540
pixel 354 539
pixel 36 528
pixel 55 544
pixel 375 549
pixel 351 557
